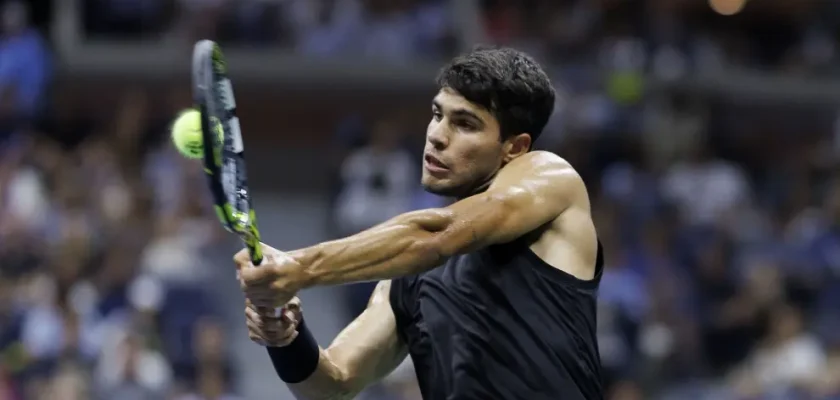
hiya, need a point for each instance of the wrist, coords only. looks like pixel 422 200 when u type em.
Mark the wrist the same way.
pixel 298 360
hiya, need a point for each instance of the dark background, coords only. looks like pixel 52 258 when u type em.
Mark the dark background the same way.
pixel 709 144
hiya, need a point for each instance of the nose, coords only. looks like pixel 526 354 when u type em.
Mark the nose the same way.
pixel 437 136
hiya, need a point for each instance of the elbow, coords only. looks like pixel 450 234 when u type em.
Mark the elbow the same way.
pixel 429 235
pixel 431 251
pixel 346 387
pixel 443 234
pixel 335 383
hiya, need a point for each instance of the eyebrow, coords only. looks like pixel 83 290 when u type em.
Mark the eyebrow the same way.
pixel 459 112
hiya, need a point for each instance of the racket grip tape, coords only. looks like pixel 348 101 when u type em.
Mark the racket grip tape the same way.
pixel 256 254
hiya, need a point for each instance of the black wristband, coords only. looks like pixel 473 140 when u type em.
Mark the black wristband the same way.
pixel 297 361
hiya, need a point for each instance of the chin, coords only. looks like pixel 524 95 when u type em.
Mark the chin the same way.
pixel 440 188
pixel 432 185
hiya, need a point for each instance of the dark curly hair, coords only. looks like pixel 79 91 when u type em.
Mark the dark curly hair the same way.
pixel 508 83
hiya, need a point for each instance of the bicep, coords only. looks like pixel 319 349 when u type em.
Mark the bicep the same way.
pixel 521 200
pixel 369 348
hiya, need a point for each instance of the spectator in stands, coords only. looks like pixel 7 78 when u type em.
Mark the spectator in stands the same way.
pixel 705 189
pixel 25 66
pixel 378 181
pixel 69 383
pixel 396 31
pixel 826 385
pixel 210 375
pixel 788 360
pixel 129 370
pixel 130 365
pixel 323 27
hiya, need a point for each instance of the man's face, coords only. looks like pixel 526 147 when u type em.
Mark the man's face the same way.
pixel 463 149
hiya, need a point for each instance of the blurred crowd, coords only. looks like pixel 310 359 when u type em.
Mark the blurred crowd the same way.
pixel 101 252
pixel 396 30
pixel 103 288
pixel 667 37
pixel 720 219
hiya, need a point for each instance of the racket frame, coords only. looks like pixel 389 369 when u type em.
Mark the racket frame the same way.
pixel 209 74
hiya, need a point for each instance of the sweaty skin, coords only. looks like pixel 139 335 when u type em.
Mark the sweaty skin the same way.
pixel 538 192
pixel 507 192
pixel 538 195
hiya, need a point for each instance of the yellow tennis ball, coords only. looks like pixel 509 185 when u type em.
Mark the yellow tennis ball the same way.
pixel 186 134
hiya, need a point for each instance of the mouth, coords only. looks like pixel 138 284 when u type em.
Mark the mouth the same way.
pixel 434 164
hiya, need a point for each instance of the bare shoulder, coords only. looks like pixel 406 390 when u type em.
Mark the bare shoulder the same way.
pixel 570 243
pixel 547 173
pixel 540 159
pixel 540 164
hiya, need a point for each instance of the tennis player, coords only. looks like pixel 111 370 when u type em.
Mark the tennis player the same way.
pixel 493 297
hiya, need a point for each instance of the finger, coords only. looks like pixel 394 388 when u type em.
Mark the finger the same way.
pixel 255 333
pixel 264 306
pixel 288 317
pixel 259 298
pixel 241 258
pixel 257 293
pixel 294 306
pixel 259 310
pixel 291 335
pixel 255 308
pixel 276 335
pixel 294 303
pixel 256 339
pixel 262 301
pixel 280 339
pixel 263 313
pixel 260 294
pixel 255 316
pixel 267 328
pixel 267 312
pixel 282 300
pixel 276 312
pixel 263 274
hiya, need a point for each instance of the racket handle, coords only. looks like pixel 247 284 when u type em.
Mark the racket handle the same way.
pixel 256 253
pixel 257 259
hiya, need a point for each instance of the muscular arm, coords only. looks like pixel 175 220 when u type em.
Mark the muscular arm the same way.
pixel 529 192
pixel 364 352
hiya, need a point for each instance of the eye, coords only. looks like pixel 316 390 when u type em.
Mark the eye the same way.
pixel 466 125
pixel 436 114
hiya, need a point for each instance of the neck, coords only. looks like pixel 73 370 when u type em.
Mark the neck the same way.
pixel 480 187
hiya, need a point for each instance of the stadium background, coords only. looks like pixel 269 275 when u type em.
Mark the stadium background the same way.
pixel 709 143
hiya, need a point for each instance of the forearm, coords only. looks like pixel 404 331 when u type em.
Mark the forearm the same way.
pixel 364 352
pixel 403 246
pixel 326 383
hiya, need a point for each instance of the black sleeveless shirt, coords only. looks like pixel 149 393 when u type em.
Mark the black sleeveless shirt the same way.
pixel 501 324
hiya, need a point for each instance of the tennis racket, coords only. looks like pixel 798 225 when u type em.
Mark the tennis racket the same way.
pixel 224 156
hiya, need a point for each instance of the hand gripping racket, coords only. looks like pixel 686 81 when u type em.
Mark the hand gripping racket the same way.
pixel 224 157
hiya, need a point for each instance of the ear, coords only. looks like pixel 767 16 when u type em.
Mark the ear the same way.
pixel 516 146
